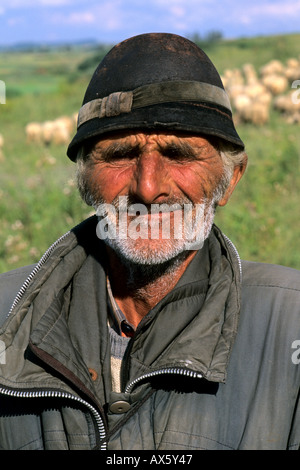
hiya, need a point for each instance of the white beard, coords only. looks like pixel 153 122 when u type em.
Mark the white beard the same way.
pixel 141 248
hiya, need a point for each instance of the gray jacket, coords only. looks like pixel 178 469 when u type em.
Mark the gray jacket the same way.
pixel 213 366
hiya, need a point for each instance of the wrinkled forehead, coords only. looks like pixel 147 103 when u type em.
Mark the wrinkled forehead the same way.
pixel 154 139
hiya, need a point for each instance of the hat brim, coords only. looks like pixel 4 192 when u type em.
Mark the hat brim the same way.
pixel 199 118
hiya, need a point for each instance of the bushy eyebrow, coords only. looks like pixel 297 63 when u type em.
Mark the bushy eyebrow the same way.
pixel 117 150
pixel 172 150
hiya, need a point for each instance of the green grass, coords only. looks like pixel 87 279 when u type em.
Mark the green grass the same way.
pixel 38 197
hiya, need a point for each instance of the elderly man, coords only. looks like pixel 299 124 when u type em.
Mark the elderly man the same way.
pixel 141 328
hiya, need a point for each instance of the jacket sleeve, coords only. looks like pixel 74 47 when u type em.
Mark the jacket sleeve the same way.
pixel 271 305
pixel 10 284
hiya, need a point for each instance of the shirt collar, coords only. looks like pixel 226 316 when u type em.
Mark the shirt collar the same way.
pixel 117 317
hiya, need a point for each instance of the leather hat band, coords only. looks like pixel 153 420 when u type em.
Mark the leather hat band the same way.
pixel 148 95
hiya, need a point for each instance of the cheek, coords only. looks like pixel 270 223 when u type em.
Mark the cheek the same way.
pixel 198 181
pixel 107 181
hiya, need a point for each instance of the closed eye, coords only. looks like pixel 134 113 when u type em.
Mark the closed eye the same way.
pixel 178 153
pixel 118 153
pixel 122 152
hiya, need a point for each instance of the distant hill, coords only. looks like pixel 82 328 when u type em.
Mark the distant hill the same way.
pixel 38 47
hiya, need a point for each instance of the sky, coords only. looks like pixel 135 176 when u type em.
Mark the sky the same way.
pixel 111 21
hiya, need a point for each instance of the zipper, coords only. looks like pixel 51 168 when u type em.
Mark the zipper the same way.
pixel 183 371
pixel 65 395
pixel 235 252
pixel 37 268
pixel 131 385
pixel 53 393
pixel 169 370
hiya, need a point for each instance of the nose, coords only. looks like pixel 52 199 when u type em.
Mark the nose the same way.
pixel 151 182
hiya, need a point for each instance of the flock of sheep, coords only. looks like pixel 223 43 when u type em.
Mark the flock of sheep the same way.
pixel 252 95
pixel 57 132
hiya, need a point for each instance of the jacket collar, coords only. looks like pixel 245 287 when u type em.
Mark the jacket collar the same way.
pixel 195 325
pixel 204 308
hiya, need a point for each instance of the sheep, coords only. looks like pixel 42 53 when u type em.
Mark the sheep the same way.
pixel 255 91
pixel 252 104
pixel 277 84
pixel 286 105
pixel 252 109
pixel 259 113
pixel 234 91
pixel 274 66
pixel 292 62
pixel 241 102
pixel 57 131
pixel 61 133
pixel 67 122
pixel 47 132
pixel 232 79
pixel 255 112
pixel 282 103
pixel 292 71
pixel 33 132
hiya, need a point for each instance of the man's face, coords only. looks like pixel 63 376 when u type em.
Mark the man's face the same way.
pixel 158 191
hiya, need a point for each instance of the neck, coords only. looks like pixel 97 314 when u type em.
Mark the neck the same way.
pixel 138 288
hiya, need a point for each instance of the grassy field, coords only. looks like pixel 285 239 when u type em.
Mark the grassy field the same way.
pixel 38 197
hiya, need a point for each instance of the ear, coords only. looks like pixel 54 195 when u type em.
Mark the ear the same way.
pixel 238 172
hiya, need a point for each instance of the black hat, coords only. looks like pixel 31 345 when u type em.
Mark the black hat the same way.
pixel 155 81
